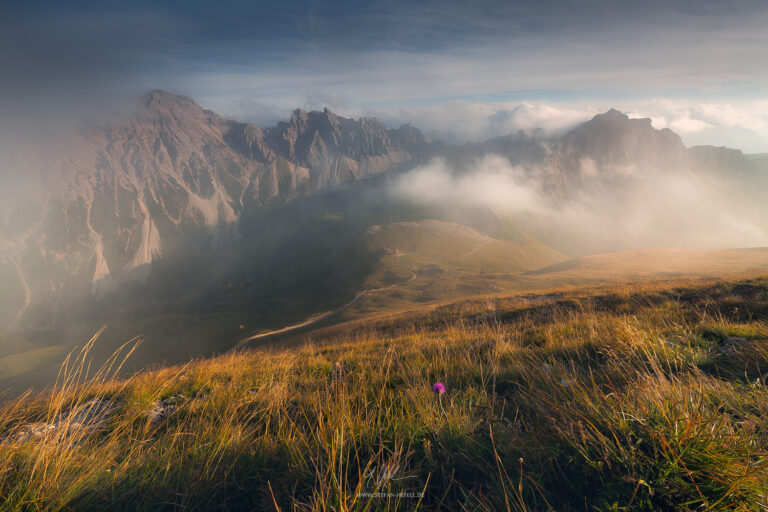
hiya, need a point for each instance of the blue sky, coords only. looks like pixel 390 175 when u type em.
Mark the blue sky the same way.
pixel 460 70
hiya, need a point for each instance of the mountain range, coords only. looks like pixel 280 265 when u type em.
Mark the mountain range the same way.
pixel 172 210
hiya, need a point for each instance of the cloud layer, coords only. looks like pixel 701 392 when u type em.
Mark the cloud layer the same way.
pixel 739 124
pixel 462 71
pixel 660 209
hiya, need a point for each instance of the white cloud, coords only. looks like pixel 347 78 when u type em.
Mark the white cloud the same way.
pixel 550 118
pixel 684 125
pixel 249 110
pixel 728 115
pixel 655 209
pixel 459 121
pixel 493 182
pixel 740 124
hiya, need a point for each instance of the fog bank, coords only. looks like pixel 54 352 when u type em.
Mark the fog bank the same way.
pixel 609 212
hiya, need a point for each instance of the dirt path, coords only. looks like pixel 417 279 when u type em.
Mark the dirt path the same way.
pixel 473 251
pixel 320 316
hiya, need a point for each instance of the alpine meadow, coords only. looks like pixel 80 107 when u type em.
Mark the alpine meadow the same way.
pixel 469 255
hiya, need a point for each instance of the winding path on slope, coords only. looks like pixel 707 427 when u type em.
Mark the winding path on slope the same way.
pixel 473 251
pixel 320 316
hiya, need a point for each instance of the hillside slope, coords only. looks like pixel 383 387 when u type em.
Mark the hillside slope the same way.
pixel 622 398
pixel 424 262
pixel 431 261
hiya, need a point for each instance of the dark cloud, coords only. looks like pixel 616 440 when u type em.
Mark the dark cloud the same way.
pixel 60 69
pixel 252 31
pixel 71 58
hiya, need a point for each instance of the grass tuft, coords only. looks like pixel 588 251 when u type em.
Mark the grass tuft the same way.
pixel 629 400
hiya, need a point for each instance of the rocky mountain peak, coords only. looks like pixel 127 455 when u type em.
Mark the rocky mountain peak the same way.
pixel 298 118
pixel 329 115
pixel 613 137
pixel 614 123
pixel 612 114
pixel 613 147
pixel 409 134
pixel 160 100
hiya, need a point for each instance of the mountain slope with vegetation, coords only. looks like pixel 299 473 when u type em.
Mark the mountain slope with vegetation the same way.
pixel 196 231
pixel 644 397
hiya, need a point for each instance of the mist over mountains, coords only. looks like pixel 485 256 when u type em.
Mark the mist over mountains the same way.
pixel 611 183
pixel 174 206
pixel 104 202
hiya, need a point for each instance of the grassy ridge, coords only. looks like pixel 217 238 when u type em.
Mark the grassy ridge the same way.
pixel 622 399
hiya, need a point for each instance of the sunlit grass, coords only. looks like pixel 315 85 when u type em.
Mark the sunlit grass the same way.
pixel 619 401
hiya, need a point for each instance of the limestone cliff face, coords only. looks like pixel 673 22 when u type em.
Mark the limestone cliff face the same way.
pixel 336 149
pixel 611 149
pixel 112 198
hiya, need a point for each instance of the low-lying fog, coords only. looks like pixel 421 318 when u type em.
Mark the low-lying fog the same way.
pixel 622 209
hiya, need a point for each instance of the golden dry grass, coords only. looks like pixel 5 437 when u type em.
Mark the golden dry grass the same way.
pixel 626 398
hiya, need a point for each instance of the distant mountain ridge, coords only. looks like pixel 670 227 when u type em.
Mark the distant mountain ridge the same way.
pixel 116 197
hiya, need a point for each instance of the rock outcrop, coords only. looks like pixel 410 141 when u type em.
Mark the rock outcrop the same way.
pixel 83 419
pixel 112 198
